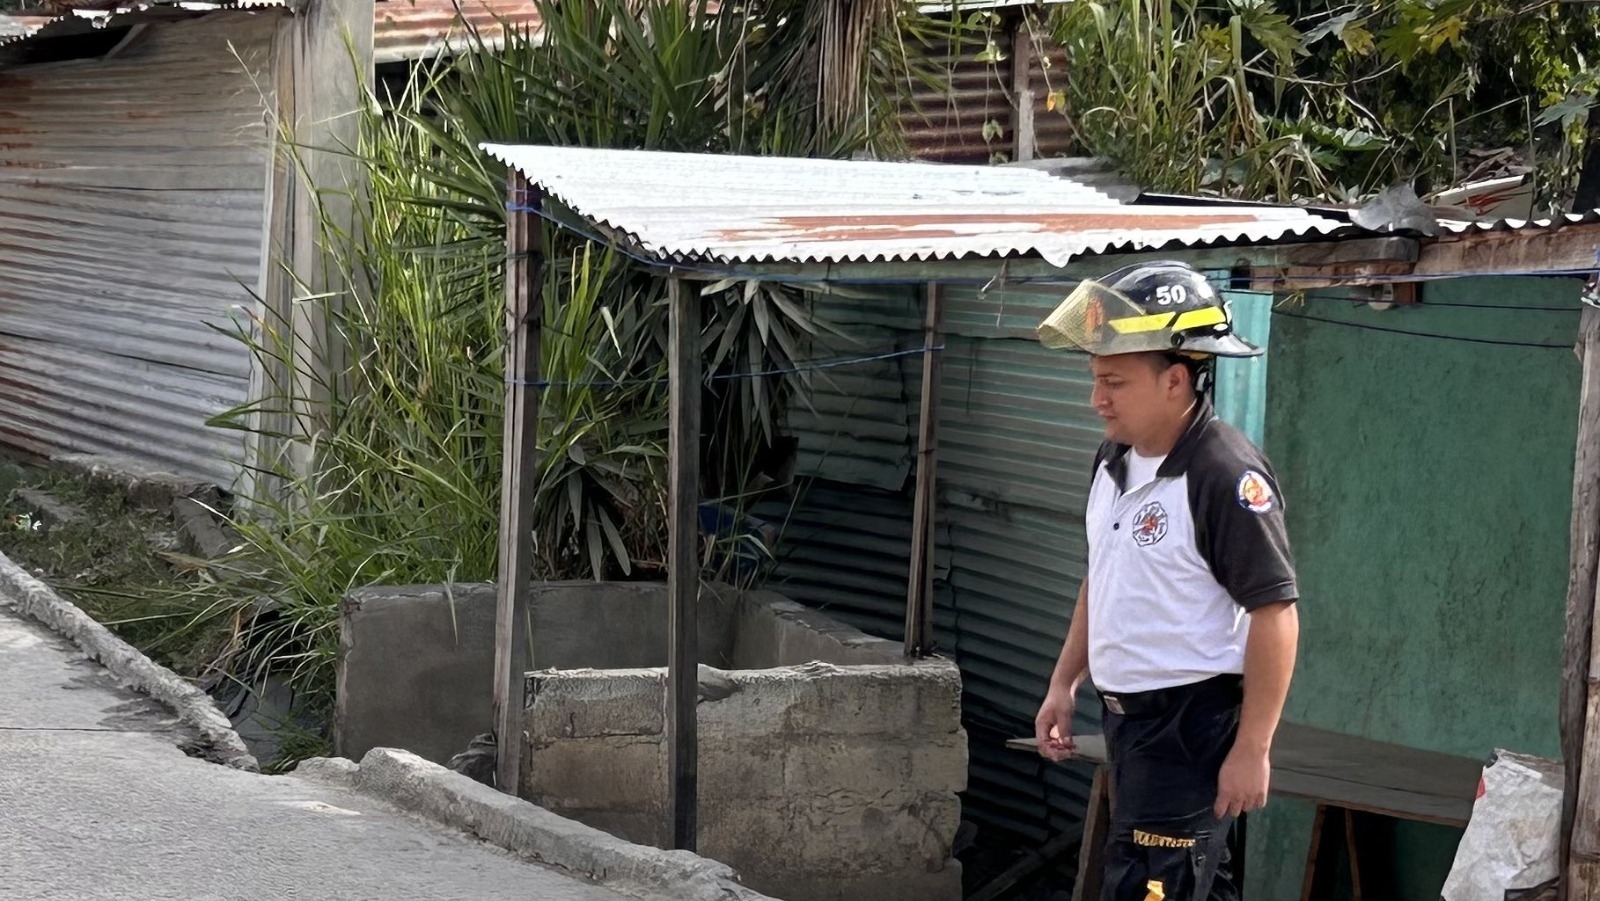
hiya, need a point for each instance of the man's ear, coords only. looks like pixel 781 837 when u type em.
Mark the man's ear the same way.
pixel 1174 376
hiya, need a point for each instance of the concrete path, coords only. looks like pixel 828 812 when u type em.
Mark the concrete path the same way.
pixel 98 802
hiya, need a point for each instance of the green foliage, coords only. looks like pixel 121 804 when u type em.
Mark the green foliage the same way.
pixel 404 485
pixel 1328 98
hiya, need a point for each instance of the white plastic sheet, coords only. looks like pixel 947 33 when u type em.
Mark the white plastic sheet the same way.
pixel 1513 839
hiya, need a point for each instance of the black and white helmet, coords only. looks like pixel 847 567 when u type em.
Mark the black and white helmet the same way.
pixel 1163 307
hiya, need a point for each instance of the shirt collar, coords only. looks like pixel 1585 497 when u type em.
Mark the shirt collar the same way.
pixel 1177 461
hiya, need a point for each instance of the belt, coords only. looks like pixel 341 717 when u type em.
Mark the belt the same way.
pixel 1160 700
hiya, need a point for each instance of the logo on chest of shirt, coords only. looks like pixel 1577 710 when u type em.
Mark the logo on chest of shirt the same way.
pixel 1149 524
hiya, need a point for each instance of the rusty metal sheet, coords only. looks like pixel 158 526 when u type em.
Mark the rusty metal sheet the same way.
pixel 416 29
pixel 679 207
pixel 132 209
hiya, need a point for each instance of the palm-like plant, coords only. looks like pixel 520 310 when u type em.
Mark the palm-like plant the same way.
pixel 408 467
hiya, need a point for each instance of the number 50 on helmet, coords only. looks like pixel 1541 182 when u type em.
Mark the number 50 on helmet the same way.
pixel 1158 307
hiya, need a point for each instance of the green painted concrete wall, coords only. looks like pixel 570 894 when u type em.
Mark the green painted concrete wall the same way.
pixel 1428 489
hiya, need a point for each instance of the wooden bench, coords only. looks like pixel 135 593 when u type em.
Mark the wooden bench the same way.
pixel 1354 783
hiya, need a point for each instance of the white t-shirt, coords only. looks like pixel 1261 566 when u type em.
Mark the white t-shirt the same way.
pixel 1142 469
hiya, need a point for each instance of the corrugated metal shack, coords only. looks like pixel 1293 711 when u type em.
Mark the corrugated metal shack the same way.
pixel 1016 436
pixel 146 207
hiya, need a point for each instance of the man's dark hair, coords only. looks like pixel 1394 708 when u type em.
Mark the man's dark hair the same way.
pixel 1199 370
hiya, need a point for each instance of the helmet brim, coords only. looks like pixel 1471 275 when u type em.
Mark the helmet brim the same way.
pixel 1221 346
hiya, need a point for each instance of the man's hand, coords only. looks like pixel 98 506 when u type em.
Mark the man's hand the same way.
pixel 1052 728
pixel 1242 784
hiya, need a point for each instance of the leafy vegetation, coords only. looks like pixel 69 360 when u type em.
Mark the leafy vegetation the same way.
pixel 404 486
pixel 1290 99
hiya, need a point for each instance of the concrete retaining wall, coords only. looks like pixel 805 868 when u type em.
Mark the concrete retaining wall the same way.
pixel 817 782
pixel 829 766
pixel 416 662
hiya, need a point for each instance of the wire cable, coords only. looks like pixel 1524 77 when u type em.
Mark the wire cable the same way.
pixel 1395 331
pixel 808 366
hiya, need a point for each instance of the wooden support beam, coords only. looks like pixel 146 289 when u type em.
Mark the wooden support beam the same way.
pixel 1357 251
pixel 919 582
pixel 321 58
pixel 524 313
pixel 683 563
pixel 1580 720
pixel 1368 261
pixel 1096 832
pixel 1022 92
pixel 1568 249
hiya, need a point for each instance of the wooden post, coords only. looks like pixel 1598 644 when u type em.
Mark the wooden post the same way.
pixel 524 313
pixel 683 564
pixel 316 193
pixel 919 584
pixel 1580 691
pixel 1022 90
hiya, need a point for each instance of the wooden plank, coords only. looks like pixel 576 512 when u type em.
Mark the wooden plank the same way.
pixel 1568 249
pixel 683 563
pixel 1353 773
pixel 1031 862
pixel 1364 250
pixel 1321 858
pixel 919 583
pixel 330 45
pixel 1579 720
pixel 524 312
pixel 1096 831
pixel 1022 93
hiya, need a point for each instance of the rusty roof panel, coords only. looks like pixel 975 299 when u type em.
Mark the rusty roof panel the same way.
pixel 415 29
pixel 680 207
pixel 15 28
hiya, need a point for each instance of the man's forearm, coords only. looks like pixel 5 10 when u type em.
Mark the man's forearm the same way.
pixel 1073 664
pixel 1268 665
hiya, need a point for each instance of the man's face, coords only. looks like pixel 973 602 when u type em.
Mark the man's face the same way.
pixel 1137 395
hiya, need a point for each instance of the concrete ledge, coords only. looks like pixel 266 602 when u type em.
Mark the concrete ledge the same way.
pixel 198 529
pixel 144 485
pixel 193 706
pixel 451 799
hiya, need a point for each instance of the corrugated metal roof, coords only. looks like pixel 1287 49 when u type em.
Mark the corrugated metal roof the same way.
pixel 402 29
pixel 680 207
pixel 14 27
pixel 18 28
pixel 414 29
pixel 1505 225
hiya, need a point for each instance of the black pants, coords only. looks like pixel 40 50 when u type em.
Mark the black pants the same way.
pixel 1164 750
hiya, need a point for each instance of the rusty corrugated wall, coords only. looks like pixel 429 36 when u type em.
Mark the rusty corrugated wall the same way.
pixel 945 121
pixel 132 209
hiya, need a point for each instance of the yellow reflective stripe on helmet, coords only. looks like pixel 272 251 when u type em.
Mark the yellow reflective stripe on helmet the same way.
pixel 1155 322
pixel 1201 317
pixel 1133 325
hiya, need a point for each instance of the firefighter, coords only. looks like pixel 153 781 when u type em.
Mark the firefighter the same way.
pixel 1186 622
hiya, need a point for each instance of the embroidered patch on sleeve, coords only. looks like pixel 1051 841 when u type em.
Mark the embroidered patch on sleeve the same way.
pixel 1255 494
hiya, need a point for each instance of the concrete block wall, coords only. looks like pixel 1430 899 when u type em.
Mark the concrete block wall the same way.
pixel 829 765
pixel 416 662
pixel 817 782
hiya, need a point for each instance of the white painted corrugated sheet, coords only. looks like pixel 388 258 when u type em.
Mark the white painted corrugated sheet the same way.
pixel 684 207
pixel 132 205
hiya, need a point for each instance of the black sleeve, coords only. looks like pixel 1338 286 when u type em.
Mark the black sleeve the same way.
pixel 1240 530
